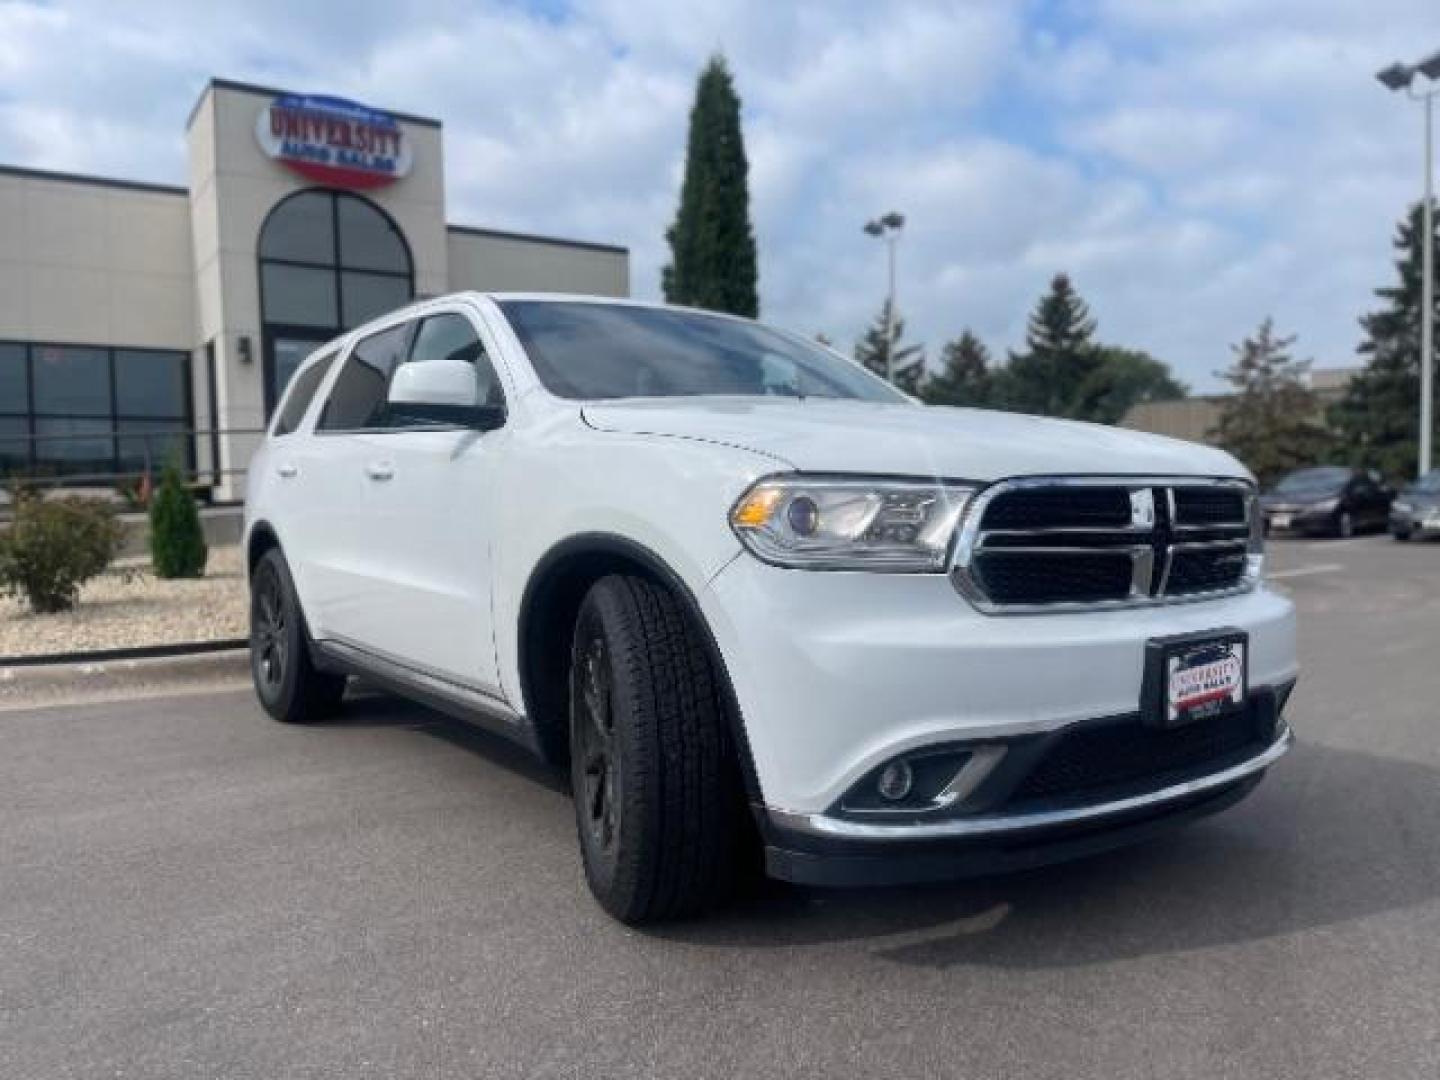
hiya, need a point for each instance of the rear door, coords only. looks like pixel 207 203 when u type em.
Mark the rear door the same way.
pixel 344 565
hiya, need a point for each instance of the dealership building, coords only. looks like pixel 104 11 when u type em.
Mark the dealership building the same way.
pixel 140 321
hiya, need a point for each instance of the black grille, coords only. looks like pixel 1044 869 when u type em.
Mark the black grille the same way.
pixel 1206 570
pixel 1050 508
pixel 1209 506
pixel 1044 578
pixel 1080 541
pixel 1117 757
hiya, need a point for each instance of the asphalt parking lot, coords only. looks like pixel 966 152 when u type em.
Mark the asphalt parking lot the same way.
pixel 187 889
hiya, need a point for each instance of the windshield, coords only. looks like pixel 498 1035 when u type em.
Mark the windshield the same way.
pixel 593 351
pixel 1429 484
pixel 1325 478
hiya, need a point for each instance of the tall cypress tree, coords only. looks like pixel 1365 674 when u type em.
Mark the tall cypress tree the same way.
pixel 711 242
pixel 1377 422
pixel 1059 358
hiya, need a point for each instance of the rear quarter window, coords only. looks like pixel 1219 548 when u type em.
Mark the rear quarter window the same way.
pixel 301 393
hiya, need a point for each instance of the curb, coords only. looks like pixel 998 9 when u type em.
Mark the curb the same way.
pixel 136 652
pixel 94 681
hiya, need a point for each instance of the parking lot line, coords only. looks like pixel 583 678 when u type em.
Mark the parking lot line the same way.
pixel 1304 571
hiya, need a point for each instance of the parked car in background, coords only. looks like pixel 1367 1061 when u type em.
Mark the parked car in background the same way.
pixel 1331 500
pixel 753 597
pixel 1416 510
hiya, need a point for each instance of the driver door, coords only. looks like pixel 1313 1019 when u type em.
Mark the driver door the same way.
pixel 429 522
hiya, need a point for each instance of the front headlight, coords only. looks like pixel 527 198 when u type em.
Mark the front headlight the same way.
pixel 824 523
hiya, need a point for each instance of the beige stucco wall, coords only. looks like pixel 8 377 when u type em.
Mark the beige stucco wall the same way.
pixel 487 261
pixel 234 186
pixel 94 264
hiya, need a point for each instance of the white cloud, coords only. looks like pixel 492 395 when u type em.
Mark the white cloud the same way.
pixel 1194 165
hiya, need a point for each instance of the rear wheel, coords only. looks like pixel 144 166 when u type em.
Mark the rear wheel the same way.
pixel 1400 534
pixel 658 802
pixel 287 682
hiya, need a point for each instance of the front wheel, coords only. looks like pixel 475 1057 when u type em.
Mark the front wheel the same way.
pixel 658 799
pixel 1401 535
pixel 1345 525
pixel 287 682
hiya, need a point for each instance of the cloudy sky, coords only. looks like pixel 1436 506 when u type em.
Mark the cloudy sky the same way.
pixel 1194 164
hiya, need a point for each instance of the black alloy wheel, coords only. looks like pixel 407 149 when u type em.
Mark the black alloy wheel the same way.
pixel 268 631
pixel 288 683
pixel 598 756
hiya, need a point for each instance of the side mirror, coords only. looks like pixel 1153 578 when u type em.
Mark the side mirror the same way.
pixel 442 392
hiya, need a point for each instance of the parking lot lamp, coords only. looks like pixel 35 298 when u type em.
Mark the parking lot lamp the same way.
pixel 888 227
pixel 1402 77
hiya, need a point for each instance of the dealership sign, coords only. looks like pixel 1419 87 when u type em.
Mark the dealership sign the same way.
pixel 334 141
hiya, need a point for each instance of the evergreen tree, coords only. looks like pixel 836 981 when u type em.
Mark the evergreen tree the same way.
pixel 872 350
pixel 711 242
pixel 1059 357
pixel 965 375
pixel 1272 421
pixel 1121 379
pixel 177 541
pixel 1377 422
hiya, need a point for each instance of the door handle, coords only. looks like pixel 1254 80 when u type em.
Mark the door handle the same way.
pixel 380 470
pixel 288 471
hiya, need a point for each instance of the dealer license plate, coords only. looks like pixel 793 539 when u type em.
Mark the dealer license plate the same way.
pixel 1195 677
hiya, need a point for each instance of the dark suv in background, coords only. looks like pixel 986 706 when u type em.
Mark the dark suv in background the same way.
pixel 1328 499
pixel 1416 510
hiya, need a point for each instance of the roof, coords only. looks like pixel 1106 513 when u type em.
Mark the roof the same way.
pixel 216 83
pixel 532 238
pixel 24 173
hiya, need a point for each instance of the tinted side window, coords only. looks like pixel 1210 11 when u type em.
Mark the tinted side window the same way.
pixel 357 400
pixel 302 392
pixel 451 337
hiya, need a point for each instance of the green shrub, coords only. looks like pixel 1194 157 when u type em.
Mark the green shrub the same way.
pixel 53 547
pixel 177 543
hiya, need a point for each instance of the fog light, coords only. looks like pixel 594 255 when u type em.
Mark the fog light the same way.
pixel 895 782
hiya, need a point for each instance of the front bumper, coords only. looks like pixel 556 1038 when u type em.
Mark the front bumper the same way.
pixel 1419 520
pixel 836 674
pixel 1300 519
pixel 822 850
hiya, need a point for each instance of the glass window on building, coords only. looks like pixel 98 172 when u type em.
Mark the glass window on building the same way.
pixel 72 411
pixel 329 261
pixel 14 409
pixel 71 381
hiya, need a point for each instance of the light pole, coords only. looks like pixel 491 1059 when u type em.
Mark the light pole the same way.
pixel 888 227
pixel 1402 77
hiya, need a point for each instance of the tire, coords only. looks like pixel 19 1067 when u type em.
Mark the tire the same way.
pixel 1345 525
pixel 659 806
pixel 1402 535
pixel 289 686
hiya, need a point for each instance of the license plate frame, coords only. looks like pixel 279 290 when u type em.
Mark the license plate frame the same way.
pixel 1281 521
pixel 1167 659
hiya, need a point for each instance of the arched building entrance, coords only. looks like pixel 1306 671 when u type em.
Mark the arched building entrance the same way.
pixel 329 261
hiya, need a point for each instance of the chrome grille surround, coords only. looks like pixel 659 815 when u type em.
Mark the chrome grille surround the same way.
pixel 1151 539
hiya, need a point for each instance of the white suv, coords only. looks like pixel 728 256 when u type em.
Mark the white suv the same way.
pixel 754 598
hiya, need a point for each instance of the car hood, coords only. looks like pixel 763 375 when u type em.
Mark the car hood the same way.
pixel 1428 499
pixel 817 435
